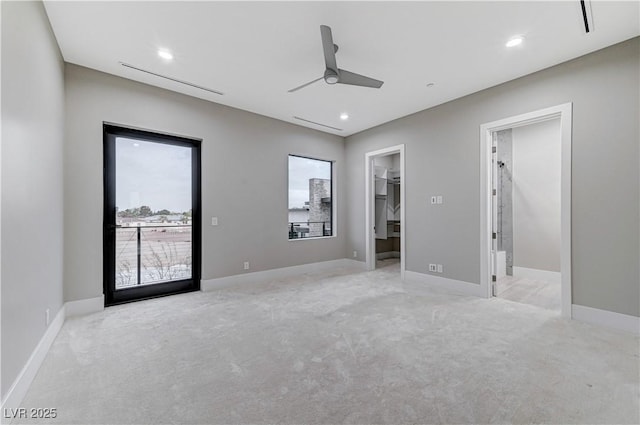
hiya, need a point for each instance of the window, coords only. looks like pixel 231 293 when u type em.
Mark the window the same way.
pixel 152 225
pixel 310 198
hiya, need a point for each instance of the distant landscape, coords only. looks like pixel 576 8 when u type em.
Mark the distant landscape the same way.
pixel 145 212
pixel 165 246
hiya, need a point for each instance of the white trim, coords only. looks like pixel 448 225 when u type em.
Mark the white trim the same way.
pixel 370 242
pixel 450 285
pixel 564 112
pixel 86 306
pixel 388 254
pixel 21 385
pixel 537 274
pixel 256 277
pixel 311 238
pixel 609 319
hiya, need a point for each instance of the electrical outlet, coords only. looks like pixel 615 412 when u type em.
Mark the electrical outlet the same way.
pixel 439 199
pixel 434 200
pixel 246 265
pixel 432 268
pixel 355 254
pixel 439 268
pixel 214 221
pixel 47 317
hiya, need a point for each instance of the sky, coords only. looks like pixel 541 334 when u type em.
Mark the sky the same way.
pixel 300 171
pixel 153 174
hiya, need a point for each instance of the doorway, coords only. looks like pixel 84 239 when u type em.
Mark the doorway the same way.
pixel 152 220
pixel 526 213
pixel 526 208
pixel 385 212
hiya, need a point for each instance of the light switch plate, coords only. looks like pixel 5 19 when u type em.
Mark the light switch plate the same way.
pixel 434 200
pixel 439 199
pixel 214 221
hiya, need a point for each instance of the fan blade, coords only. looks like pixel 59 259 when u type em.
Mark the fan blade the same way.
pixel 353 79
pixel 328 47
pixel 305 85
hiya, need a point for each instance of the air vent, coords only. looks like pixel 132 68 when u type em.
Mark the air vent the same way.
pixel 587 18
pixel 175 80
pixel 317 123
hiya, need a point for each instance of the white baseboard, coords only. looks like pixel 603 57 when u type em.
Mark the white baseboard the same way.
pixel 609 319
pixel 450 285
pixel 21 385
pixel 348 262
pixel 536 274
pixel 239 279
pixel 388 254
pixel 82 307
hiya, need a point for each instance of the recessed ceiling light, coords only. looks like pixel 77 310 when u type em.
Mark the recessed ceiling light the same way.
pixel 165 54
pixel 515 41
pixel 344 116
pixel 135 145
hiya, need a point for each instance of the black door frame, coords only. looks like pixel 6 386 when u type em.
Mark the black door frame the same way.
pixel 111 295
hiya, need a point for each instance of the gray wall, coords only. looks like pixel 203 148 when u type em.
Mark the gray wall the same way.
pixel 244 177
pixel 442 157
pixel 32 185
pixel 536 196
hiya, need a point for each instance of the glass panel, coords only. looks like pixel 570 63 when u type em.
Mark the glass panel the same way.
pixel 153 201
pixel 126 258
pixel 310 198
pixel 166 254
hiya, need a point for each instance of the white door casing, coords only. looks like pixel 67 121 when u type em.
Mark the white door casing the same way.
pixel 370 206
pixel 487 221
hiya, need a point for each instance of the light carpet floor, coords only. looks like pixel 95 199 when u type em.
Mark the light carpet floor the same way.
pixel 339 347
pixel 530 291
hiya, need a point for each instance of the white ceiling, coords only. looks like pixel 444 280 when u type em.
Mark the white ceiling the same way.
pixel 254 52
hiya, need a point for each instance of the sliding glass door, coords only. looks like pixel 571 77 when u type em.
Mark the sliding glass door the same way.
pixel 151 214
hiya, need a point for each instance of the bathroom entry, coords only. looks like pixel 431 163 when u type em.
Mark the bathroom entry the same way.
pixel 387 211
pixel 527 238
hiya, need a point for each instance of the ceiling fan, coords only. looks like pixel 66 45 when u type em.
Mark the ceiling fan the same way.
pixel 333 74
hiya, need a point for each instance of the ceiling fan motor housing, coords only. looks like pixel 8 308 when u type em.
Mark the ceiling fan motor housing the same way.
pixel 330 76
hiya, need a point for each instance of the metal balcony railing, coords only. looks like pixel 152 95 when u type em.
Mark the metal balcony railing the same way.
pixel 309 229
pixel 152 254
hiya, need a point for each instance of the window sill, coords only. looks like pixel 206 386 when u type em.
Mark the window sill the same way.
pixel 314 238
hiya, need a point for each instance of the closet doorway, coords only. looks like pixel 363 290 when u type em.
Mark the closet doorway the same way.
pixel 385 230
